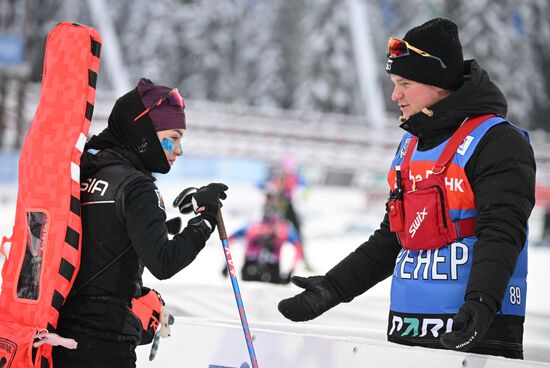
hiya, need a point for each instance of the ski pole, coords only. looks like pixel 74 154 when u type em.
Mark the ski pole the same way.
pixel 236 290
pixel 184 203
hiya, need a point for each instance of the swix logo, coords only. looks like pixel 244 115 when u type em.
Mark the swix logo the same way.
pixel 420 216
pixel 92 185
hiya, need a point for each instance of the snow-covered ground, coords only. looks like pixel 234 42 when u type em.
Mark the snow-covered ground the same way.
pixel 336 221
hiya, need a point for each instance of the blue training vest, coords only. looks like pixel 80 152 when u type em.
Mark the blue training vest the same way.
pixel 434 281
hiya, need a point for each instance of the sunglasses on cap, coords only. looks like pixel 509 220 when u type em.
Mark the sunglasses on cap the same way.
pixel 398 48
pixel 173 98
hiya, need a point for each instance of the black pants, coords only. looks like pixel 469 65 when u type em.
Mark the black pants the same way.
pixel 93 352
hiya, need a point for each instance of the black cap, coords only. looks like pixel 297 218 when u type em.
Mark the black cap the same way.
pixel 438 37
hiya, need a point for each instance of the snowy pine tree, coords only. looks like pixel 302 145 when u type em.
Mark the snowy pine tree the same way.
pixel 332 82
pixel 537 24
pixel 289 39
pixel 259 55
pixel 148 36
pixel 210 36
pixel 495 35
pixel 298 53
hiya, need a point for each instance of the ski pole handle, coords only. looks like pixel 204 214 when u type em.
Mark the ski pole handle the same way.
pixel 221 226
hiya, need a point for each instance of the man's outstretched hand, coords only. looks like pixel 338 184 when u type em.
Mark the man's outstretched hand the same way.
pixel 318 297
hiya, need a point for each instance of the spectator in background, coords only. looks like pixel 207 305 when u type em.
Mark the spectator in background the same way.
pixel 281 188
pixel 264 242
pixel 454 238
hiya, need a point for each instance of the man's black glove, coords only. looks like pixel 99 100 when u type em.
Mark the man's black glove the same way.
pixel 320 295
pixel 470 324
pixel 207 201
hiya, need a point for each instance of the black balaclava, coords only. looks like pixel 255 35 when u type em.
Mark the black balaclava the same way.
pixel 139 137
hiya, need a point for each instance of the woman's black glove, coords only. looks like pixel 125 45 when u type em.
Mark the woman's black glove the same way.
pixel 207 201
pixel 320 295
pixel 470 324
pixel 173 225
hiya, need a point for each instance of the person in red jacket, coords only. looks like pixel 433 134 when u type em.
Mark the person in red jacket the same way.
pixel 264 242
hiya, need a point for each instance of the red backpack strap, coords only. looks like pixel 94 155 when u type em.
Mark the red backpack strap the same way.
pixel 456 140
pixel 464 227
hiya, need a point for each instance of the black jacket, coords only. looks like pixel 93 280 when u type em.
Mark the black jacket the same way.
pixel 122 213
pixel 121 208
pixel 502 174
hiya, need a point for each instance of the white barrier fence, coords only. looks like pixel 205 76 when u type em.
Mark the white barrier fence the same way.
pixel 221 344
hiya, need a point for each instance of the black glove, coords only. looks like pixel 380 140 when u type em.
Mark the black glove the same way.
pixel 207 201
pixel 470 324
pixel 204 227
pixel 319 296
pixel 183 200
pixel 173 225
